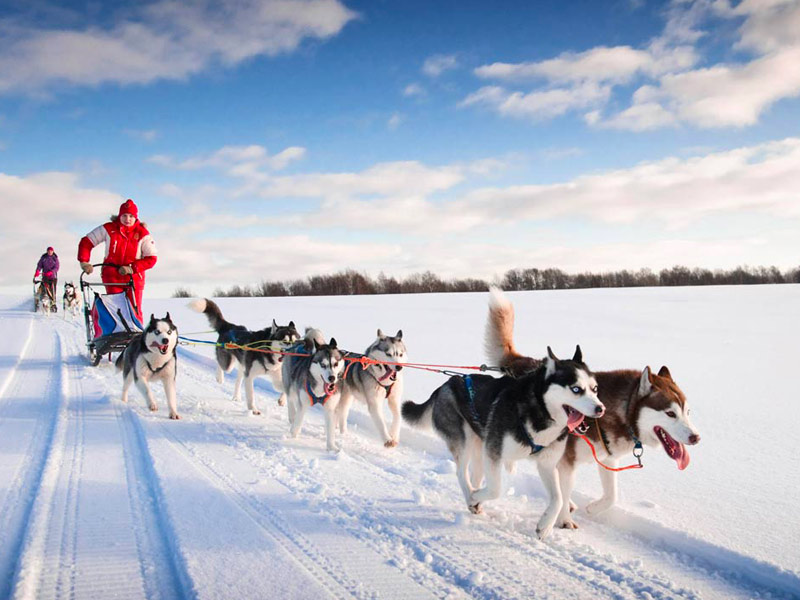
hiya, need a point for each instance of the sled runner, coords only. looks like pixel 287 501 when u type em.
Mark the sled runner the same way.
pixel 111 321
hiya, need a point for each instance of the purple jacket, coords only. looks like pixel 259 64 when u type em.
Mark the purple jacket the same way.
pixel 47 264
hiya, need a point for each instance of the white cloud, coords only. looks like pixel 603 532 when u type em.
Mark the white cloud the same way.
pixel 735 94
pixel 146 135
pixel 394 121
pixel 727 95
pixel 248 162
pixel 539 104
pixel 415 217
pixel 162 40
pixel 413 89
pixel 437 64
pixel 618 64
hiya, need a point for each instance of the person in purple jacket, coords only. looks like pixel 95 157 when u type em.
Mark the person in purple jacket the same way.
pixel 48 266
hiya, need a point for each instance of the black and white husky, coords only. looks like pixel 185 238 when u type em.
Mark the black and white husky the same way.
pixel 489 422
pixel 641 406
pixel 376 383
pixel 313 379
pixel 152 356
pixel 71 302
pixel 252 363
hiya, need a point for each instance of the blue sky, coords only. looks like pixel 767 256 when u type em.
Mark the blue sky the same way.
pixel 270 140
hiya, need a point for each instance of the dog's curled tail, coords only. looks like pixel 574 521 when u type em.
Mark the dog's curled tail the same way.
pixel 419 415
pixel 316 335
pixel 212 312
pixel 498 341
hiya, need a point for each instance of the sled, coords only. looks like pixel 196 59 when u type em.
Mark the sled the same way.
pixel 39 291
pixel 111 321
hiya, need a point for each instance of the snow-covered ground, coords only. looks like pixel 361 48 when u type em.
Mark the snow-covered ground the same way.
pixel 100 500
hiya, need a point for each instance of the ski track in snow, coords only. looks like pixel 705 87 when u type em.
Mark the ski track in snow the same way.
pixel 100 499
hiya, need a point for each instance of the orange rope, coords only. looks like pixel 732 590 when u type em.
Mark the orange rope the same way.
pixel 597 460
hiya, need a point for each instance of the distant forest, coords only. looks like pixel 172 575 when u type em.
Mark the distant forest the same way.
pixel 350 283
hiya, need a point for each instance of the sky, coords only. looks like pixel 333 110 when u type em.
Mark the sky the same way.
pixel 277 139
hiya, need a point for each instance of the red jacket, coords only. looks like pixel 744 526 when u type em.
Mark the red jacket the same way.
pixel 132 246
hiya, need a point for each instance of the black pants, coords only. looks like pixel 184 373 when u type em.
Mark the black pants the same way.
pixel 49 286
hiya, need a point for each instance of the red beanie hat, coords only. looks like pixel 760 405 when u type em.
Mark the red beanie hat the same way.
pixel 128 207
pixel 50 248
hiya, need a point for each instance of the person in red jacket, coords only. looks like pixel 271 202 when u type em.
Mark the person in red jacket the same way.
pixel 128 245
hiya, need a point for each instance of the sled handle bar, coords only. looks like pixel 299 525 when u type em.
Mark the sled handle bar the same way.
pixel 85 283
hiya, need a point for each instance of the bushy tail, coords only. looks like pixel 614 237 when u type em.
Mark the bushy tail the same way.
pixel 498 341
pixel 316 335
pixel 419 415
pixel 212 312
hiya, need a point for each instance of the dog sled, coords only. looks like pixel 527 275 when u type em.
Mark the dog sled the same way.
pixel 111 321
pixel 44 297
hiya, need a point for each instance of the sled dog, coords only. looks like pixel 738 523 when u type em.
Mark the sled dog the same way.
pixel 71 302
pixel 251 363
pixel 375 383
pixel 152 356
pixel 639 405
pixel 507 419
pixel 313 379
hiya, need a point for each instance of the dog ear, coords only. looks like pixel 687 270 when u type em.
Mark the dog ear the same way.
pixel 168 318
pixel 152 317
pixel 274 327
pixel 664 372
pixel 380 334
pixel 399 335
pixel 291 324
pixel 550 363
pixel 645 386
pixel 578 356
pixel 332 344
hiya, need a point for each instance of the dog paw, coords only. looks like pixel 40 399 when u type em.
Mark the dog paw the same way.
pixel 568 524
pixel 476 509
pixel 543 531
pixel 598 506
pixel 390 444
pixel 256 411
pixel 153 408
pixel 281 402
pixel 175 416
pixel 572 506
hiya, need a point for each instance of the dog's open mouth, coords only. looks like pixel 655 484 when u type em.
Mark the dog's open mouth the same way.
pixel 574 417
pixel 330 388
pixel 674 449
pixel 163 348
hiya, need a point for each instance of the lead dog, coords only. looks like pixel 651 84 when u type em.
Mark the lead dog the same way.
pixel 508 419
pixel 151 356
pixel 71 302
pixel 311 379
pixel 252 363
pixel 376 383
pixel 639 406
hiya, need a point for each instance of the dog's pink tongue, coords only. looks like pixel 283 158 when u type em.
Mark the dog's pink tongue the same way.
pixel 574 418
pixel 682 457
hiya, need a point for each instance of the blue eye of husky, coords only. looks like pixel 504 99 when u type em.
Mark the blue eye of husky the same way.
pixel 576 390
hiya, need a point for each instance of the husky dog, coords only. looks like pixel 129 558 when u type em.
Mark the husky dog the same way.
pixel 252 363
pixel 506 419
pixel 71 302
pixel 375 383
pixel 313 379
pixel 151 356
pixel 640 406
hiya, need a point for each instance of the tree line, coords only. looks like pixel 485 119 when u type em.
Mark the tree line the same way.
pixel 353 283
